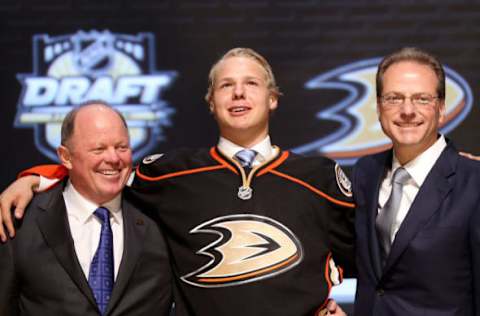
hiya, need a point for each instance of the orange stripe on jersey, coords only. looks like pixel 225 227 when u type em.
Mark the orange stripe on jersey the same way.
pixel 251 274
pixel 340 271
pixel 329 283
pixel 177 174
pixel 274 165
pixel 327 272
pixel 48 171
pixel 308 186
pixel 223 162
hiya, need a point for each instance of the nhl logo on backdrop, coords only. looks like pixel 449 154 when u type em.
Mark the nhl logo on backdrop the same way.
pixel 93 52
pixel 71 69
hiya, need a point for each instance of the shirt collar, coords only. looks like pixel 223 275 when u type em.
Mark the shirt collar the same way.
pixel 419 167
pixel 264 148
pixel 82 208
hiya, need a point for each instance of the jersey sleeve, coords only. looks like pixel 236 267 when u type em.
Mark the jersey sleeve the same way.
pixel 148 185
pixel 50 175
pixel 150 171
pixel 335 207
pixel 340 215
pixel 341 221
pixel 155 168
pixel 49 171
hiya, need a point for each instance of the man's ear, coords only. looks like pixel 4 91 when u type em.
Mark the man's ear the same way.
pixel 273 103
pixel 65 156
pixel 442 111
pixel 211 107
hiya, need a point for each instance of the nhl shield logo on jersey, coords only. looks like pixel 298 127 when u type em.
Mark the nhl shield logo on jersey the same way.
pixel 343 182
pixel 249 248
pixel 151 158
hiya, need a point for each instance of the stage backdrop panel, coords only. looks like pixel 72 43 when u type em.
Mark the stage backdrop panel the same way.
pixel 150 59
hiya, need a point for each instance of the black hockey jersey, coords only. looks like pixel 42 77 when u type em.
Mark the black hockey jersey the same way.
pixel 266 241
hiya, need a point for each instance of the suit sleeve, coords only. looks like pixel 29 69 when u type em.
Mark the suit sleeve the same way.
pixel 8 283
pixel 475 251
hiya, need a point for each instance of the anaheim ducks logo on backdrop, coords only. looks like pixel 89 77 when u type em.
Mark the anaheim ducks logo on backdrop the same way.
pixel 360 132
pixel 249 248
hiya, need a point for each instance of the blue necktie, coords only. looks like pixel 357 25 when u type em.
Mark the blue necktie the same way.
pixel 100 277
pixel 245 157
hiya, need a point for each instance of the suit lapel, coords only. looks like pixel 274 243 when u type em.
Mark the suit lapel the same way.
pixel 53 224
pixel 429 199
pixel 134 234
pixel 374 179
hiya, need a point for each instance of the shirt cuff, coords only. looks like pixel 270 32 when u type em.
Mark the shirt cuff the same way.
pixel 130 179
pixel 45 183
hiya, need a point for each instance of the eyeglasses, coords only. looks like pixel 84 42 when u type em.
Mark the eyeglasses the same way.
pixel 417 99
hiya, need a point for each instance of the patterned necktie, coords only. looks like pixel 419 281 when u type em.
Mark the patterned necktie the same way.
pixel 387 216
pixel 245 157
pixel 100 277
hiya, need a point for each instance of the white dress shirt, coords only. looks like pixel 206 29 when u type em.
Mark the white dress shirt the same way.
pixel 264 149
pixel 418 169
pixel 85 227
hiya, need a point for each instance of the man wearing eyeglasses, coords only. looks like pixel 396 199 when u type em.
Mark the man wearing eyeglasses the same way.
pixel 418 207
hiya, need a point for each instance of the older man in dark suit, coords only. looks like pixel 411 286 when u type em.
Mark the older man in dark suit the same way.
pixel 82 248
pixel 418 207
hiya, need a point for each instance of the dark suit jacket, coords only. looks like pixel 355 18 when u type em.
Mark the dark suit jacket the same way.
pixel 40 274
pixel 434 265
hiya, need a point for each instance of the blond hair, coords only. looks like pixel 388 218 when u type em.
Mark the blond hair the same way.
pixel 248 53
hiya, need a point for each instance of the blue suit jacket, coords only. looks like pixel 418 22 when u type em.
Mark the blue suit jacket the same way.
pixel 434 264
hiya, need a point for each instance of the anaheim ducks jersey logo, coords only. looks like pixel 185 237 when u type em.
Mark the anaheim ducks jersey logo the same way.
pixel 249 248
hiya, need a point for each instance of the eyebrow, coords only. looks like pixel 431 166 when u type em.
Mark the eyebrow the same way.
pixel 243 78
pixel 403 93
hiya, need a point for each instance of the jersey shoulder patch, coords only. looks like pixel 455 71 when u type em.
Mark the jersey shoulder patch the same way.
pixel 178 160
pixel 151 158
pixel 343 183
